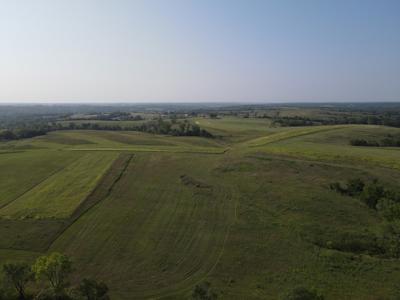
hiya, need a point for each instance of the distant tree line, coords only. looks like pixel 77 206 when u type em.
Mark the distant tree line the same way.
pixel 23 133
pixel 293 121
pixel 116 116
pixel 47 279
pixel 160 126
pixel 392 120
pixel 388 141
pixel 184 128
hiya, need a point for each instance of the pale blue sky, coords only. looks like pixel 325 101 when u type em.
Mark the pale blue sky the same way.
pixel 203 50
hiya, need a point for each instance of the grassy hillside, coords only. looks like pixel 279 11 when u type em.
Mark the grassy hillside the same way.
pixel 332 144
pixel 251 211
pixel 172 217
pixel 236 129
pixel 21 171
pixel 58 195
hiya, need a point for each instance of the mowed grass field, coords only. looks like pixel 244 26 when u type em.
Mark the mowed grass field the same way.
pixel 170 231
pixel 22 171
pixel 153 216
pixel 331 143
pixel 59 194
pixel 235 129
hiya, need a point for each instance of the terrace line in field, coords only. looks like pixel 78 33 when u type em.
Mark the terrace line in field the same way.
pixel 60 194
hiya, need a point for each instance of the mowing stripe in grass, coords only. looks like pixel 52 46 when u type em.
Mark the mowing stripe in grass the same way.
pixel 100 192
pixel 149 211
pixel 195 151
pixel 32 187
pixel 54 197
pixel 284 135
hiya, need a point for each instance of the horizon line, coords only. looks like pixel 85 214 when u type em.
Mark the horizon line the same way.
pixel 40 102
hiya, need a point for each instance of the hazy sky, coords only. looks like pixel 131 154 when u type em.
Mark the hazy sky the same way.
pixel 199 50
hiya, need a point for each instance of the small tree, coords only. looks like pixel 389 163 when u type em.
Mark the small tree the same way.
pixel 203 292
pixel 90 289
pixel 18 275
pixel 54 268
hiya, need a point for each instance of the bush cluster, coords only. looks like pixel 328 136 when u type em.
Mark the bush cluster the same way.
pixel 373 194
pixel 47 279
pixel 388 141
pixel 381 199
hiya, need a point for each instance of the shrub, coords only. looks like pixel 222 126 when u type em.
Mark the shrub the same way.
pixel 90 289
pixel 355 242
pixel 389 239
pixel 337 187
pixel 203 292
pixel 389 209
pixel 302 293
pixel 50 294
pixel 355 187
pixel 372 193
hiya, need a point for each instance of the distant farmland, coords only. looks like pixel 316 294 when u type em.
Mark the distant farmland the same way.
pixel 251 210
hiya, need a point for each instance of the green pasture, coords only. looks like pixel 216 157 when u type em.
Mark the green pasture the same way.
pixel 154 224
pixel 333 144
pixel 290 133
pixel 22 171
pixel 234 128
pixel 62 192
pixel 120 140
pixel 242 211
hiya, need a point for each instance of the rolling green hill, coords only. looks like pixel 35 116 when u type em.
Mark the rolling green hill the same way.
pixel 250 211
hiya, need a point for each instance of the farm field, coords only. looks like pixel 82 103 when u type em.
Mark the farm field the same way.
pixel 53 197
pixel 236 129
pixel 251 211
pixel 332 144
pixel 122 141
pixel 22 171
